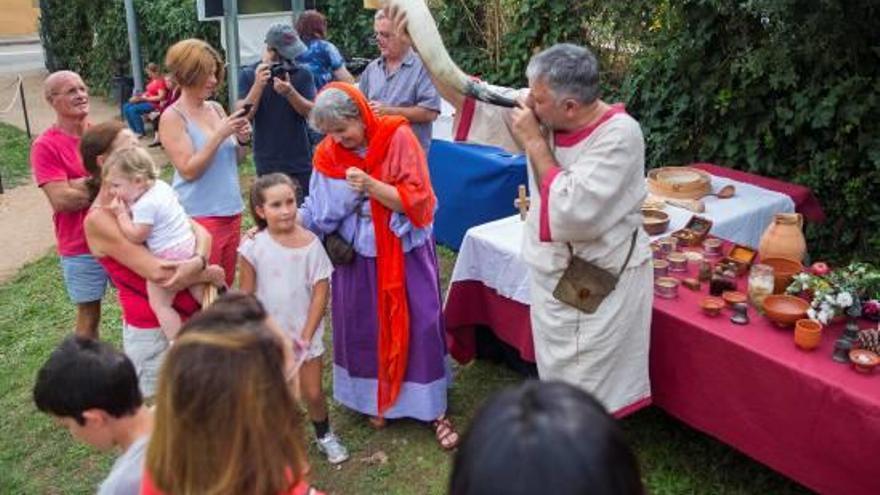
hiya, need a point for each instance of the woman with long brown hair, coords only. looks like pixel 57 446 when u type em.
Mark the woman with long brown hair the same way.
pixel 225 421
pixel 130 265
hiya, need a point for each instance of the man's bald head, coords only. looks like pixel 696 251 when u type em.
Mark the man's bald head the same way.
pixel 67 93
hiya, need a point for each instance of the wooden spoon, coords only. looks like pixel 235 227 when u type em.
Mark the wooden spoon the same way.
pixel 724 193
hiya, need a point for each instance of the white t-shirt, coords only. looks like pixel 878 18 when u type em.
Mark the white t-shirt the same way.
pixel 160 208
pixel 285 281
pixel 125 475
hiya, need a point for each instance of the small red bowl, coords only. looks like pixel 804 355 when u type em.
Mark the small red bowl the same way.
pixel 732 297
pixel 712 306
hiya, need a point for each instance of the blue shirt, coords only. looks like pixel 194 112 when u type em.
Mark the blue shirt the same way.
pixel 217 192
pixel 322 59
pixel 409 86
pixel 281 134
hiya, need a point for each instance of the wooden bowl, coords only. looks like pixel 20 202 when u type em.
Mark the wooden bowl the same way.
pixel 712 306
pixel 784 271
pixel 863 360
pixel 732 297
pixel 785 310
pixel 654 221
pixel 679 182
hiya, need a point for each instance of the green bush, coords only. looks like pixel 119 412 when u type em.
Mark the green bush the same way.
pixel 349 27
pixel 782 88
pixel 91 37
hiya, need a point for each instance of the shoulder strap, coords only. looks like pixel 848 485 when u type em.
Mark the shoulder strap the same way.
pixel 632 245
pixel 179 112
pixel 629 254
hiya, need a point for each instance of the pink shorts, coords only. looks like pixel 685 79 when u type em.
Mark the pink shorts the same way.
pixel 179 252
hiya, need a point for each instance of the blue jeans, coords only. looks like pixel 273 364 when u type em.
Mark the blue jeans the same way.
pixel 133 112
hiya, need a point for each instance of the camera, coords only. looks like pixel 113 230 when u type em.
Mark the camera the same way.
pixel 278 69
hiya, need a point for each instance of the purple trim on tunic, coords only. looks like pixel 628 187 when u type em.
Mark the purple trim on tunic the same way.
pixel 331 205
pixel 355 347
pixel 425 402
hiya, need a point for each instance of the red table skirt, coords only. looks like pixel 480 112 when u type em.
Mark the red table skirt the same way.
pixel 798 412
pixel 805 201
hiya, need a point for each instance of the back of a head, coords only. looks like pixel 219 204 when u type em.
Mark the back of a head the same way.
pixel 96 141
pixel 311 25
pixel 225 419
pixel 83 374
pixel 544 437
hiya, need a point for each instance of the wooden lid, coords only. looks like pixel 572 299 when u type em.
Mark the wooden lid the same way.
pixel 679 182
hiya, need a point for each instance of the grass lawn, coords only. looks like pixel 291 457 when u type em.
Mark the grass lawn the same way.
pixel 14 149
pixel 38 457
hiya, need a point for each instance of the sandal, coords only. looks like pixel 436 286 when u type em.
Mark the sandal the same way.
pixel 376 422
pixel 446 435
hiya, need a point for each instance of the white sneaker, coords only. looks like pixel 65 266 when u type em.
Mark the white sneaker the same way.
pixel 331 447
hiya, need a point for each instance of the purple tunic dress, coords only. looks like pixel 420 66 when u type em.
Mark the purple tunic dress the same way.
pixel 334 206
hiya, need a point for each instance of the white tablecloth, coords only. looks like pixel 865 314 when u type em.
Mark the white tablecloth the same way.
pixel 490 253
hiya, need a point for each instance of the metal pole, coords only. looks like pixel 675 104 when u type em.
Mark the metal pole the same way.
pixel 137 70
pixel 27 122
pixel 298 7
pixel 230 19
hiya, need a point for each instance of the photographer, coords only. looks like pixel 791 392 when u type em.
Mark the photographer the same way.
pixel 281 93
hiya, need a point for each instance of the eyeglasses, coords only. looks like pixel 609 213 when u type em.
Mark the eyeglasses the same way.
pixel 72 92
pixel 383 35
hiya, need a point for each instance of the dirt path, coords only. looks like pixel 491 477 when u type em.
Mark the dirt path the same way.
pixel 25 215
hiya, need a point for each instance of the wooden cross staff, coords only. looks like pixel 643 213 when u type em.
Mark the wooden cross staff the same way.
pixel 522 202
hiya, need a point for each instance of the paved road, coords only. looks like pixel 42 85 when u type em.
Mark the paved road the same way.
pixel 21 58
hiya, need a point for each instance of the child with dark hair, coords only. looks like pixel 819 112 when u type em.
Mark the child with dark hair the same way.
pixel 91 389
pixel 286 267
pixel 544 437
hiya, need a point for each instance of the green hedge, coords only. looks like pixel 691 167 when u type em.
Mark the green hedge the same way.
pixel 90 36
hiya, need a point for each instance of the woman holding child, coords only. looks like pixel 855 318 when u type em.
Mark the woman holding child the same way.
pixel 371 188
pixel 130 265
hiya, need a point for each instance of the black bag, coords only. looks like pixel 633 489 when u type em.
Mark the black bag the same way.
pixel 338 250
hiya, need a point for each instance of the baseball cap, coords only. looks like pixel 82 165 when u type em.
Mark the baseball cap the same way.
pixel 284 39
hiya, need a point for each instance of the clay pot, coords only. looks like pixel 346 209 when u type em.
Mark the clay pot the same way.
pixel 784 238
pixel 807 334
pixel 784 270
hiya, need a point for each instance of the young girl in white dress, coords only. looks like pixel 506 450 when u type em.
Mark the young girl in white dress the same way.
pixel 148 211
pixel 286 267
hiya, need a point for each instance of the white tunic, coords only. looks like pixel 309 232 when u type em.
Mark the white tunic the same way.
pixel 592 201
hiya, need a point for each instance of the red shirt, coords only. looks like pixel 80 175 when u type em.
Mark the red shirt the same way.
pixel 55 157
pixel 154 87
pixel 131 289
pixel 301 488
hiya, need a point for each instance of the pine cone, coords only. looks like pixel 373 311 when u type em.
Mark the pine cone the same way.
pixel 870 340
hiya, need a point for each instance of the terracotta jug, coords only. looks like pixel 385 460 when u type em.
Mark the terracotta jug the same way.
pixel 784 238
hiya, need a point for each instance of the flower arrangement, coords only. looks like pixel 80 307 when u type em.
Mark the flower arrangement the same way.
pixel 853 290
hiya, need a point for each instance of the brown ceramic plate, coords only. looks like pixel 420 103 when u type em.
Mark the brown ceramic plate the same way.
pixel 785 310
pixel 784 271
pixel 712 306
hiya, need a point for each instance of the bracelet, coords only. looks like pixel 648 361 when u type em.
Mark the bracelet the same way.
pixel 204 260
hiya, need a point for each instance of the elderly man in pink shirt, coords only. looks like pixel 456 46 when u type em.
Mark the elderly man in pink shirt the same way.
pixel 58 170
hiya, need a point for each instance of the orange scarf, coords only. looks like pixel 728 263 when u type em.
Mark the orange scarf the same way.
pixel 332 159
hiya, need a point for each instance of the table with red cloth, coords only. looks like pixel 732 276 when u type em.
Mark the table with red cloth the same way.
pixel 800 413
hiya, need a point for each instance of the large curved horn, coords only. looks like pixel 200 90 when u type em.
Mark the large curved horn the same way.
pixel 426 38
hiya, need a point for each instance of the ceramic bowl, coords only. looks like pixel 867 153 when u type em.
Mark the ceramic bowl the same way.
pixel 863 360
pixel 654 221
pixel 666 287
pixel 807 334
pixel 677 262
pixel 732 297
pixel 712 306
pixel 785 310
pixel 712 247
pixel 661 268
pixel 784 271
